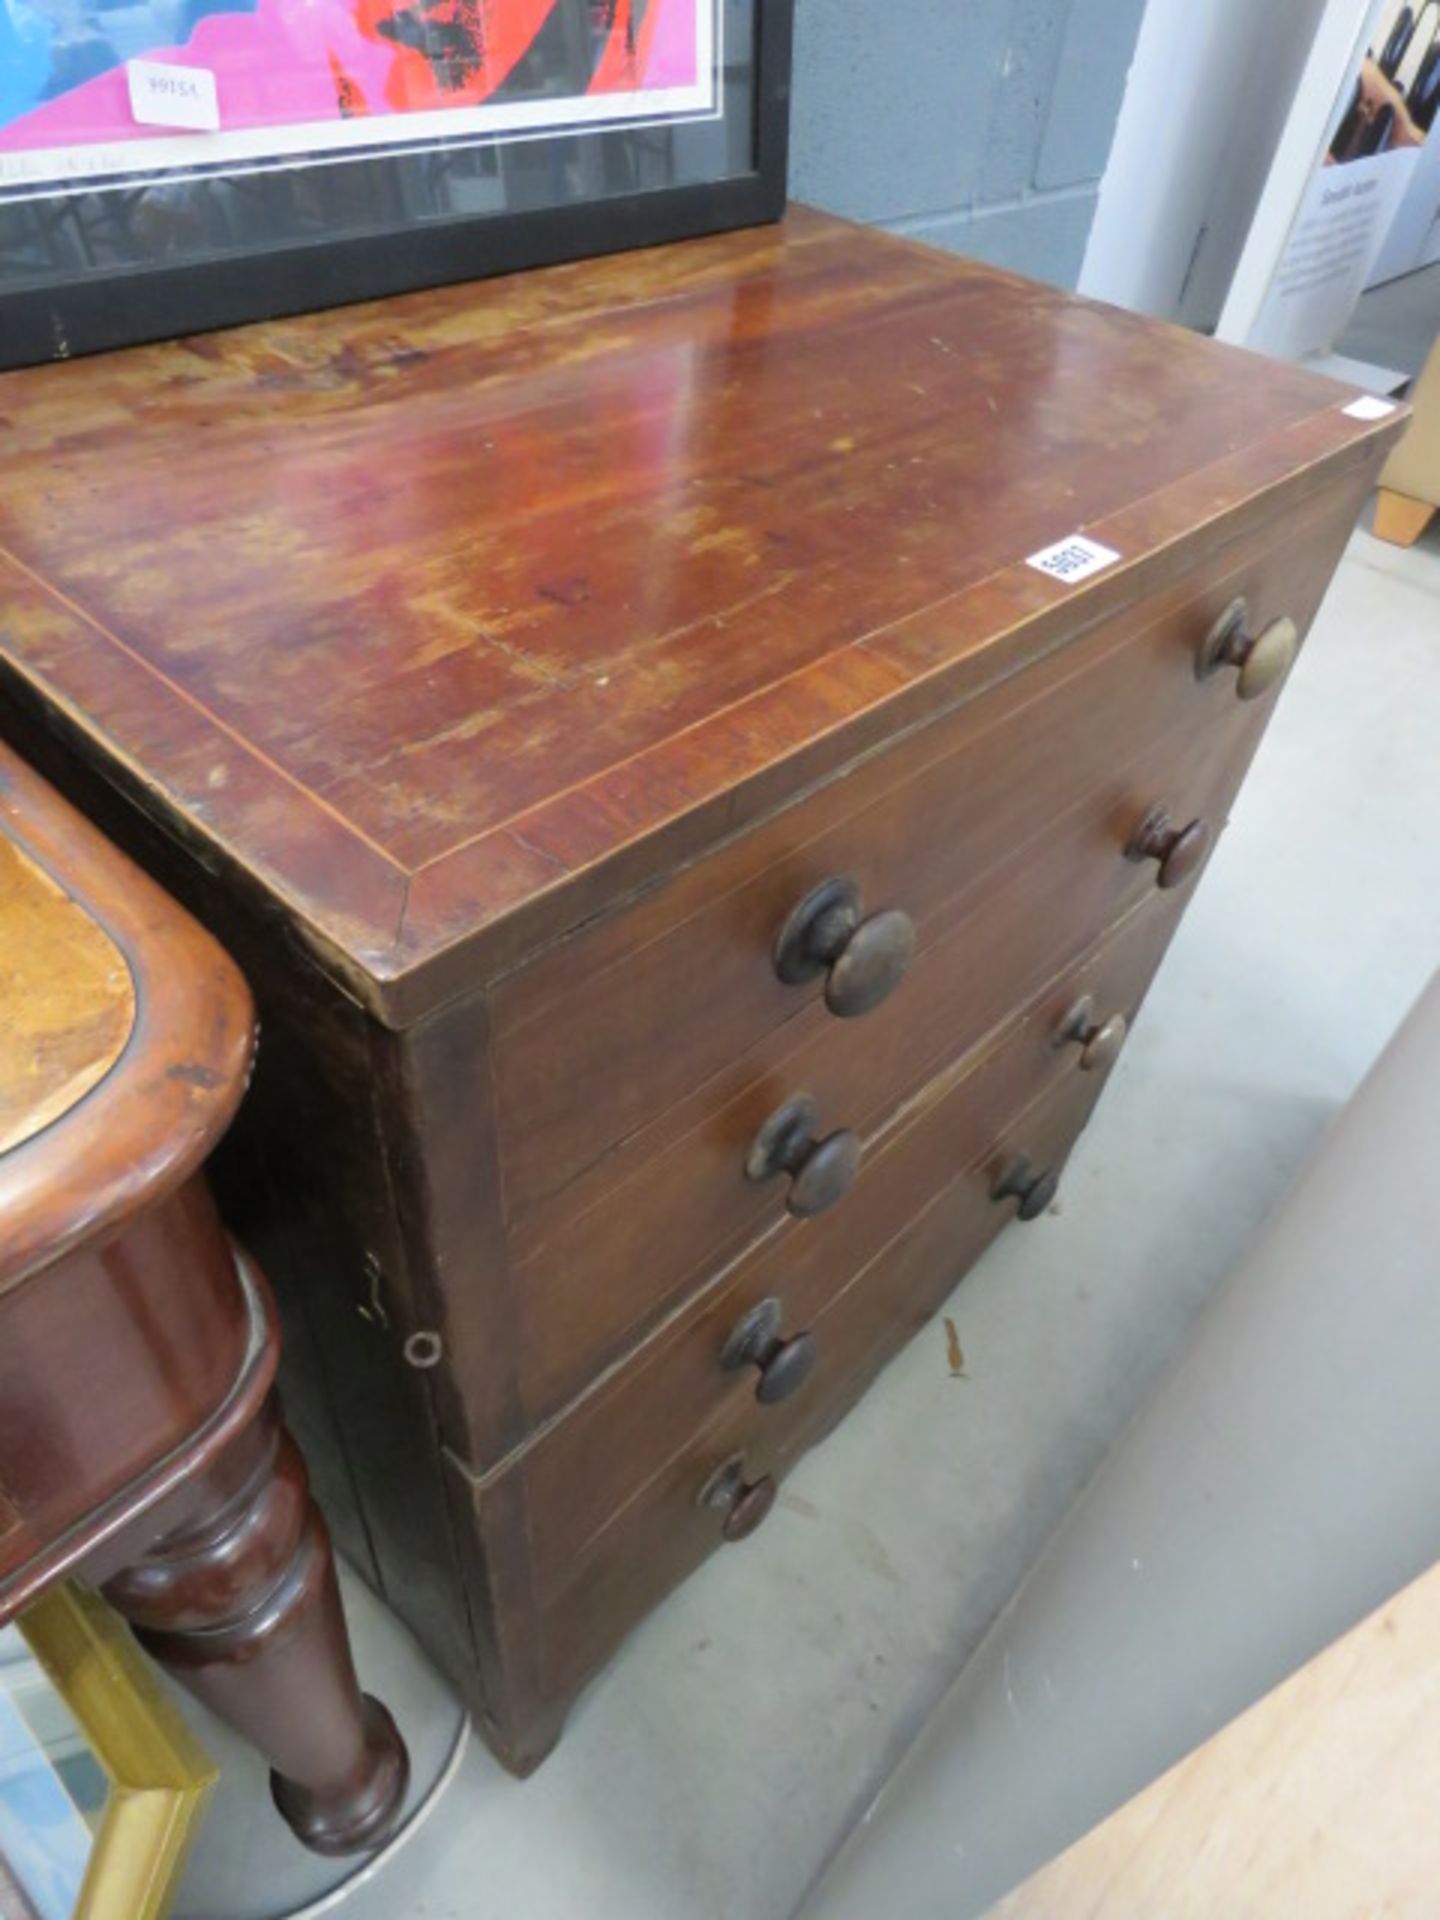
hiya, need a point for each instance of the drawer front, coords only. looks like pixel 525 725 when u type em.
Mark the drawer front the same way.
pixel 664 1533
pixel 621 1435
pixel 602 1035
pixel 603 1275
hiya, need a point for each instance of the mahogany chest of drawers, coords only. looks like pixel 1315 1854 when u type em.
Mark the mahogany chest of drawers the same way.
pixel 694 866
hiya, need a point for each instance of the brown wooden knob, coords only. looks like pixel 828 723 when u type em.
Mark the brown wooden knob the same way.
pixel 821 1171
pixel 743 1502
pixel 865 959
pixel 1262 658
pixel 1099 1041
pixel 783 1365
pixel 1178 851
pixel 1034 1187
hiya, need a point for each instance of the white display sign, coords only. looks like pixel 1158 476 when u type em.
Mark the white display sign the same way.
pixel 1414 236
pixel 1332 245
pixel 1346 161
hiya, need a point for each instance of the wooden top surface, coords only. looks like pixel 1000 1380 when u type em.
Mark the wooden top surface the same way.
pixel 426 610
pixel 1319 1800
pixel 68 997
pixel 126 1034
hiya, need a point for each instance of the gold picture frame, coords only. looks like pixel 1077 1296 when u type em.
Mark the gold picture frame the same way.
pixel 157 1773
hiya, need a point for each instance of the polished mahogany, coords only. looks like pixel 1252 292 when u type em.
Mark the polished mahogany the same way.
pixel 141 1445
pixel 670 824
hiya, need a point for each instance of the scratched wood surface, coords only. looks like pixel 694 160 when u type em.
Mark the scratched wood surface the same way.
pixel 424 611
pixel 1319 1800
pixel 68 998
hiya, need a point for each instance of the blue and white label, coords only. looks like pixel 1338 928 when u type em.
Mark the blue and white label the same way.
pixel 1073 559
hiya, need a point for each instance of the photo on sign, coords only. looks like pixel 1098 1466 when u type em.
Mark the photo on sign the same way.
pixel 1396 93
pixel 93 92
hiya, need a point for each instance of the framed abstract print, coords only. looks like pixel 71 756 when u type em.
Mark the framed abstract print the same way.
pixel 172 165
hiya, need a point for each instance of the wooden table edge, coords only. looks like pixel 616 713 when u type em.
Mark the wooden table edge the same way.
pixel 392 952
pixel 155 1115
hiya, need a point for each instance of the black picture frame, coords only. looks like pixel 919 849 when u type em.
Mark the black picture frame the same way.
pixel 99 311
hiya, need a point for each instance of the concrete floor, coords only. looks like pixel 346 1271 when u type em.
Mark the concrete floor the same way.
pixel 709 1773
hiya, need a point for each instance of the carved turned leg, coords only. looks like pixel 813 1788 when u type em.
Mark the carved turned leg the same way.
pixel 240 1603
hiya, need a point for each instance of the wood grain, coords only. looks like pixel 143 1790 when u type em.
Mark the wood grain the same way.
pixel 140 1443
pixel 123 1328
pixel 68 997
pixel 338 609
pixel 1319 1800
pixel 638 1416
pixel 109 1362
pixel 493 669
pixel 579 1059
pixel 684 1203
pixel 156 1106
pixel 656 1538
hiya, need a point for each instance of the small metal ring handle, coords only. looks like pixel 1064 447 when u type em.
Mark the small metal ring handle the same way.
pixel 1261 658
pixel 783 1365
pixel 1099 1041
pixel 1177 851
pixel 821 1171
pixel 1034 1187
pixel 864 960
pixel 744 1503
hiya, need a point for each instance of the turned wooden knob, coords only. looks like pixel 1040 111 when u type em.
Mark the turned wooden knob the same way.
pixel 743 1502
pixel 865 959
pixel 1034 1187
pixel 821 1171
pixel 1262 658
pixel 1178 851
pixel 783 1365
pixel 1099 1041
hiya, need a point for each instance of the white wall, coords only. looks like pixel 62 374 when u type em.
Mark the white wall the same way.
pixel 1205 104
